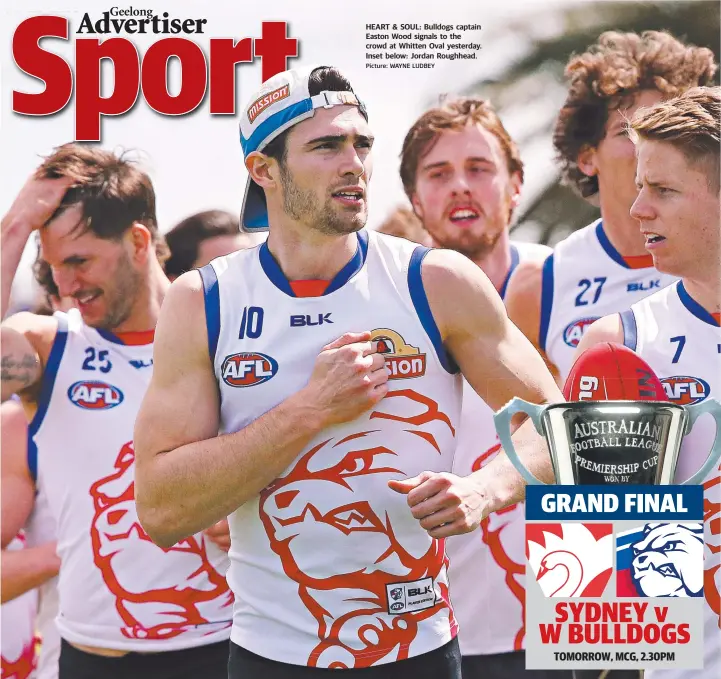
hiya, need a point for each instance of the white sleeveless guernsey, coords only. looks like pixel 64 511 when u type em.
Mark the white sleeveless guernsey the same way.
pixel 487 566
pixel 586 278
pixel 681 341
pixel 39 530
pixel 17 630
pixel 117 589
pixel 328 566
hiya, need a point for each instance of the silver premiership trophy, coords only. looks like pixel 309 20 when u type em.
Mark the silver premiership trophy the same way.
pixel 611 442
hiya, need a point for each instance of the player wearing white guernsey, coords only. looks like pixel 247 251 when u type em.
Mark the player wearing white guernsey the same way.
pixel 23 507
pixel 463 174
pixel 126 607
pixel 326 359
pixel 676 331
pixel 603 267
pixel 28 574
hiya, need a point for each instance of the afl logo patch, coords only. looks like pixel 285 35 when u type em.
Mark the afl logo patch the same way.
pixel 685 390
pixel 94 395
pixel 574 331
pixel 248 369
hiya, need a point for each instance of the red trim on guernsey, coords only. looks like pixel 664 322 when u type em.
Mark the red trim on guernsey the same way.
pixel 717 316
pixel 309 288
pixel 138 338
pixel 639 261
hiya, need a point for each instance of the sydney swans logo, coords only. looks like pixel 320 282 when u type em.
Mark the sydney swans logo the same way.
pixel 570 559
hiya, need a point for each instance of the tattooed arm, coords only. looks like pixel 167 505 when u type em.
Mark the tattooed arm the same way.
pixel 26 340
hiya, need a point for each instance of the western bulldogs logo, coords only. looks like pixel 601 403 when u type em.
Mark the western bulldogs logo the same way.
pixel 402 360
pixel 396 593
pixel 248 369
pixel 574 331
pixel 570 559
pixel 660 560
pixel 94 395
pixel 685 390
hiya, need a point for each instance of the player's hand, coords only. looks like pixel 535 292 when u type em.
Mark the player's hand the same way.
pixel 443 503
pixel 349 377
pixel 219 534
pixel 35 203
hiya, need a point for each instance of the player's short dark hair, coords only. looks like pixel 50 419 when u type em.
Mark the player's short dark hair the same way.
pixel 607 75
pixel 184 238
pixel 322 79
pixel 112 192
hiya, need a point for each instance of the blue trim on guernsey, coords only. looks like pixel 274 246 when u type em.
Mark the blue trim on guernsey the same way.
pixel 46 391
pixel 106 334
pixel 630 332
pixel 423 308
pixel 546 301
pixel 606 244
pixel 274 122
pixel 211 294
pixel 277 277
pixel 515 258
pixel 694 307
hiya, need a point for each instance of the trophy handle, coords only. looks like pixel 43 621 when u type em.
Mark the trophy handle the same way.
pixel 502 420
pixel 713 407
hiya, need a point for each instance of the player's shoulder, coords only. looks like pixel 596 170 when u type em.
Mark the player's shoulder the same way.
pixel 38 329
pixel 188 289
pixel 527 278
pixel 447 267
pixel 606 329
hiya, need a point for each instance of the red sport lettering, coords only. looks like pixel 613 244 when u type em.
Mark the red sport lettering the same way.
pixel 136 73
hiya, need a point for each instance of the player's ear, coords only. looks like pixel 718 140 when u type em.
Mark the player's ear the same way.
pixel 140 240
pixel 263 170
pixel 586 161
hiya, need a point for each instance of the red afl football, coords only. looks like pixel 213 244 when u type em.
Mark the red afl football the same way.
pixel 612 372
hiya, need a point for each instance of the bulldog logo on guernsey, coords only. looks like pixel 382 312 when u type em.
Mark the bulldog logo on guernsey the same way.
pixel 685 390
pixel 248 369
pixel 402 360
pixel 574 331
pixel 94 395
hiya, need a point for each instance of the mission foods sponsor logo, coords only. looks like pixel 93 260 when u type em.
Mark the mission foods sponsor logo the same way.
pixel 402 360
pixel 248 369
pixel 94 395
pixel 261 103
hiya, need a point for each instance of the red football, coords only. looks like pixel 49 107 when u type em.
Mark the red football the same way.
pixel 612 372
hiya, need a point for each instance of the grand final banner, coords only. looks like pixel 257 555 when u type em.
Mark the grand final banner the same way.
pixel 614 577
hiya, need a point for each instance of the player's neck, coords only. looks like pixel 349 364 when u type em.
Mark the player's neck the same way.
pixel 706 291
pixel 304 255
pixel 622 230
pixel 145 312
pixel 496 263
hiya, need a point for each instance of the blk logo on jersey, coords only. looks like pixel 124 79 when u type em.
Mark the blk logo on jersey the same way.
pixel 570 559
pixel 644 286
pixel 304 320
pixel 660 560
pixel 574 331
pixel 95 395
pixel 402 360
pixel 685 390
pixel 248 369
